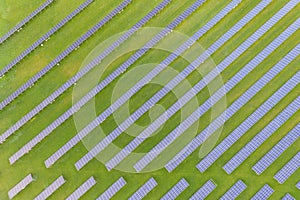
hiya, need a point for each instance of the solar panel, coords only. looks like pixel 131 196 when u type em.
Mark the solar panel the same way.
pixel 176 190
pixel 298 185
pixel 277 150
pixel 142 163
pixel 65 53
pixel 144 190
pixel 288 196
pixel 51 189
pixel 51 160
pixel 288 169
pixel 234 191
pixel 264 193
pixel 20 186
pixel 154 99
pixel 113 189
pixel 204 191
pixel 26 20
pixel 81 190
pixel 41 40
pixel 262 136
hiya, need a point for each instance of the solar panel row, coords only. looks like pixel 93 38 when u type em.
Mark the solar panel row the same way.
pixel 24 21
pixel 176 190
pixel 197 141
pixel 20 186
pixel 142 163
pixel 51 189
pixel 289 168
pixel 75 78
pixel 40 41
pixel 248 123
pixel 264 193
pixel 262 136
pixel 64 54
pixel 277 150
pixel 113 189
pixel 234 191
pixel 159 95
pixel 81 190
pixel 144 190
pixel 288 197
pixel 204 191
pixel 298 185
pixel 51 160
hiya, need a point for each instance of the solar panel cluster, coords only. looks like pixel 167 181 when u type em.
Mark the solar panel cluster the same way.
pixel 76 77
pixel 254 142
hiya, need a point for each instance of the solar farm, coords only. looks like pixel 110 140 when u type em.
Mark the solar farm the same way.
pixel 162 99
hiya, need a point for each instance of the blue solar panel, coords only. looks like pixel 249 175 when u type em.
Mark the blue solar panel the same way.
pixel 288 197
pixel 81 190
pixel 176 190
pixel 289 168
pixel 234 191
pixel 113 189
pixel 144 190
pixel 24 21
pixel 264 193
pixel 51 189
pixel 204 191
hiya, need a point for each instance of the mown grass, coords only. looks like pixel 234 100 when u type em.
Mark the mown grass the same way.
pixel 34 162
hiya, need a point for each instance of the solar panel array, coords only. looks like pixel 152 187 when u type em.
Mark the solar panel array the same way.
pixel 216 96
pixel 234 191
pixel 79 192
pixel 204 191
pixel 264 193
pixel 277 150
pixel 288 169
pixel 65 53
pixel 149 187
pixel 113 189
pixel 248 123
pixel 20 186
pixel 155 98
pixel 64 149
pixel 176 190
pixel 144 190
pixel 24 21
pixel 51 188
pixel 262 136
pixel 76 77
pixel 39 42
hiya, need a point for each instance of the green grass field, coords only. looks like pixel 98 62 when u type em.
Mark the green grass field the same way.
pixel 11 12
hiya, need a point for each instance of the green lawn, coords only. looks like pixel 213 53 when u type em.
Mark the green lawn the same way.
pixel 12 12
